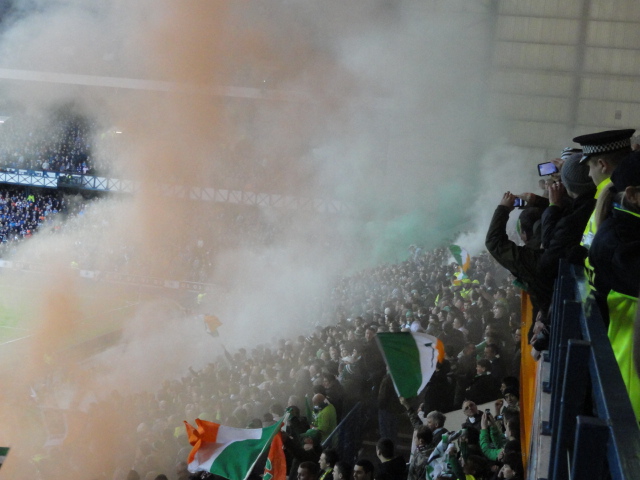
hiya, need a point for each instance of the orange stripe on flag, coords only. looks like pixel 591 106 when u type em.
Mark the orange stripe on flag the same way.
pixel 276 467
pixel 206 432
pixel 440 348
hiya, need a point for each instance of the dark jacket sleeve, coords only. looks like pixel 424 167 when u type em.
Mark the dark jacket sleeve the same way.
pixel 414 419
pixel 565 234
pixel 615 257
pixel 497 240
pixel 550 218
pixel 522 262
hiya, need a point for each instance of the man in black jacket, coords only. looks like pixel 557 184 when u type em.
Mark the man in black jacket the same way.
pixel 559 230
pixel 522 262
pixel 391 467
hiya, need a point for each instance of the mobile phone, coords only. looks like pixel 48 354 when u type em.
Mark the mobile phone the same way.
pixel 519 203
pixel 547 168
pixel 488 411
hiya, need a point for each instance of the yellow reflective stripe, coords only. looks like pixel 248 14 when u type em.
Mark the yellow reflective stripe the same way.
pixel 627 211
pixel 601 186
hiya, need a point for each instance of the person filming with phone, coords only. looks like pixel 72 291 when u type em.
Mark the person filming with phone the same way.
pixel 548 236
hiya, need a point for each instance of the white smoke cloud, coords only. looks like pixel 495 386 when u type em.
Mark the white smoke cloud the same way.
pixel 383 110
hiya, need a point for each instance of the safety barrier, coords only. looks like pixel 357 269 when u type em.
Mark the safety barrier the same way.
pixel 588 395
pixel 47 179
pixel 349 434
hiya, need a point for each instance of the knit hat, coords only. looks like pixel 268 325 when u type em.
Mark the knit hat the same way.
pixel 575 176
pixel 567 152
pixel 512 391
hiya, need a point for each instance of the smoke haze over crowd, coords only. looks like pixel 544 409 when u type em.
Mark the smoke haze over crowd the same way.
pixel 378 105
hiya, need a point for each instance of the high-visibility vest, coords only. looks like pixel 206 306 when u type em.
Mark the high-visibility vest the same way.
pixel 622 314
pixel 591 228
pixel 590 232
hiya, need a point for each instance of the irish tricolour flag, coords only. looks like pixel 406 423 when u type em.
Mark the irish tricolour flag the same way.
pixel 411 358
pixel 461 256
pixel 226 451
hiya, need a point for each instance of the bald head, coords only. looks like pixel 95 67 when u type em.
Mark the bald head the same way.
pixel 318 399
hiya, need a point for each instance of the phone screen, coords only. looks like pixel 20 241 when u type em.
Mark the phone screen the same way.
pixel 547 168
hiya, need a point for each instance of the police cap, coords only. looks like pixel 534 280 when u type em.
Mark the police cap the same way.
pixel 604 142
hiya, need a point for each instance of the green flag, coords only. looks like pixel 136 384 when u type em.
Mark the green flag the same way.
pixel 411 358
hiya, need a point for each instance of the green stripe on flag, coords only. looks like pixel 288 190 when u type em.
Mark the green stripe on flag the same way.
pixel 456 251
pixel 403 360
pixel 4 451
pixel 237 460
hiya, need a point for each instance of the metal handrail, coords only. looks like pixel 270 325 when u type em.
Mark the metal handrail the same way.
pixel 608 437
pixel 348 432
pixel 343 422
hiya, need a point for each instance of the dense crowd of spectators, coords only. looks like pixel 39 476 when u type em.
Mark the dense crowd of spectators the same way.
pixel 325 374
pixel 23 212
pixel 338 365
pixel 64 142
pixel 62 145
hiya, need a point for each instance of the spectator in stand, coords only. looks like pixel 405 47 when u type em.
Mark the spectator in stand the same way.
pixel 420 455
pixel 363 470
pixel 615 258
pixel 470 409
pixel 465 372
pixel 451 337
pixel 342 471
pixel 492 440
pixel 465 468
pixel 352 376
pixel 334 392
pixel 308 452
pixel 324 416
pixel 520 261
pixel 391 467
pixel 296 424
pixel 439 392
pixel 512 468
pixel 510 382
pixel 484 387
pixel 492 353
pixel 308 471
pixel 435 422
pixel 327 462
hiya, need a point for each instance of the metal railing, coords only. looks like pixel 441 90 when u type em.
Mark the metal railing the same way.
pixel 348 434
pixel 49 179
pixel 591 421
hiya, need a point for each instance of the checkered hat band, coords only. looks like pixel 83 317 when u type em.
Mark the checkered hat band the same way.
pixel 567 152
pixel 606 147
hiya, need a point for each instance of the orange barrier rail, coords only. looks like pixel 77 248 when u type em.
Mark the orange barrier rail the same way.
pixel 528 383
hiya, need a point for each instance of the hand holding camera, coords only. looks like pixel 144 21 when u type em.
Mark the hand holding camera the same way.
pixel 508 200
pixel 557 193
pixel 486 419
